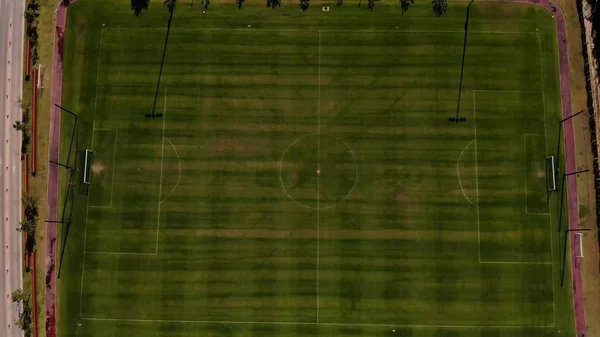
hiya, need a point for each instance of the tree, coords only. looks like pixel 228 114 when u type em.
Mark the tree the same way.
pixel 304 4
pixel 137 6
pixel 20 126
pixel 170 4
pixel 19 295
pixel 32 12
pixel 273 3
pixel 439 7
pixel 27 226
pixel 371 4
pixel 33 36
pixel 34 55
pixel 30 206
pixel 405 5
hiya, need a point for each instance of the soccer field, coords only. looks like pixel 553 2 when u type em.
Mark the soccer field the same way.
pixel 302 176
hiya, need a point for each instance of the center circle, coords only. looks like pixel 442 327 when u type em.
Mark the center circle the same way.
pixel 318 171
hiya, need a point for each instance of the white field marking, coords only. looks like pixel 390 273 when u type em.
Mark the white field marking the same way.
pixel 118 253
pixel 318 176
pixel 526 191
pixel 87 208
pixel 546 135
pixel 159 197
pixel 311 207
pixel 178 161
pixel 425 326
pixel 458 174
pixel 543 93
pixel 515 262
pixel 113 165
pixel 535 213
pixel 477 188
pixel 328 30
pixel 511 91
pixel 476 177
pixel 162 155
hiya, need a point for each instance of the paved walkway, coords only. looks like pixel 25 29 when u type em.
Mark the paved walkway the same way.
pixel 12 30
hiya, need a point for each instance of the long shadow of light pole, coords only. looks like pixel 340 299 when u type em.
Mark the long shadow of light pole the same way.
pixel 162 62
pixel 462 67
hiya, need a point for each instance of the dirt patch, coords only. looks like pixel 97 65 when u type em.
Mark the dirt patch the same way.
pixel 98 167
pixel 402 199
pixel 540 174
pixel 230 145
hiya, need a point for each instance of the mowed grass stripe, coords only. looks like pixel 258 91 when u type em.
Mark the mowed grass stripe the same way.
pixel 401 249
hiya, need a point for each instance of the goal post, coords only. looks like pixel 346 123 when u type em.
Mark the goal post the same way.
pixel 580 241
pixel 87 165
pixel 551 173
pixel 40 75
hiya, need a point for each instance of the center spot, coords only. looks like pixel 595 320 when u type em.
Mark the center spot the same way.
pixel 318 171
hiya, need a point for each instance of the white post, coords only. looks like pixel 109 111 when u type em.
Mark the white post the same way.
pixel 39 78
pixel 580 244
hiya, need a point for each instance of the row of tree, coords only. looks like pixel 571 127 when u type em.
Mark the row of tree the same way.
pixel 30 224
pixel 32 12
pixel 23 126
pixel 439 6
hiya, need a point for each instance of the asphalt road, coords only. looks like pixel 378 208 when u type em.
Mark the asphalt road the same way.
pixel 11 84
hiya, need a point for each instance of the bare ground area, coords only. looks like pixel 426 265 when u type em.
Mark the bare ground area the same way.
pixel 591 262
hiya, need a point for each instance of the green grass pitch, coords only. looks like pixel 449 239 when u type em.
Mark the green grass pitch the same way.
pixel 304 179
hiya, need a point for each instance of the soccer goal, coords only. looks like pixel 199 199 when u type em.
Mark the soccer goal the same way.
pixel 40 75
pixel 551 173
pixel 580 238
pixel 87 166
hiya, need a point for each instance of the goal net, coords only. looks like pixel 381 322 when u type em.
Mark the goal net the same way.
pixel 87 165
pixel 551 173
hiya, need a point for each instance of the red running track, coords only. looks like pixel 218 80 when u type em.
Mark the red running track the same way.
pixel 52 203
pixel 572 202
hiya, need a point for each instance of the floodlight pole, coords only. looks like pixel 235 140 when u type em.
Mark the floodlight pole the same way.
pixel 462 68
pixel 564 260
pixel 562 193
